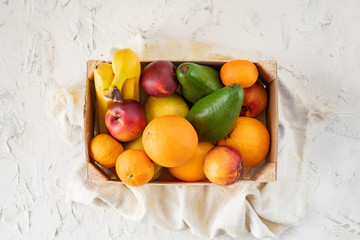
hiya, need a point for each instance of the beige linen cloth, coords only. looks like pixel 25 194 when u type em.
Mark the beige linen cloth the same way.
pixel 245 209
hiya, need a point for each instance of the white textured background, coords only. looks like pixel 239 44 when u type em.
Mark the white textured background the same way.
pixel 44 46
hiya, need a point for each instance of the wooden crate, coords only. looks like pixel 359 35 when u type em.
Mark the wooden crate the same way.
pixel 266 171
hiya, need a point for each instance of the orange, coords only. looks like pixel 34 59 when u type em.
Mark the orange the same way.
pixel 105 149
pixel 170 140
pixel 242 72
pixel 251 138
pixel 193 170
pixel 134 167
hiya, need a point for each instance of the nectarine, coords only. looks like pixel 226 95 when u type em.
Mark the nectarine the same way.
pixel 255 100
pixel 223 165
pixel 159 78
pixel 125 120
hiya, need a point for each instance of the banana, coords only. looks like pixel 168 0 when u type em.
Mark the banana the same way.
pixel 103 77
pixel 126 67
pixel 131 89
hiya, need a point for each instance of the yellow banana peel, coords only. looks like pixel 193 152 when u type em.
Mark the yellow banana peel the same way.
pixel 131 89
pixel 103 77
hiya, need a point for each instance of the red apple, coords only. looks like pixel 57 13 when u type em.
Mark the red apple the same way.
pixel 125 120
pixel 255 100
pixel 223 165
pixel 159 79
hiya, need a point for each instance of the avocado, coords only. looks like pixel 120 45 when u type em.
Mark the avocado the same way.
pixel 215 115
pixel 197 81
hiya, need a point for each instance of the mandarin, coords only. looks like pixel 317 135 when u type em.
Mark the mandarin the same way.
pixel 242 72
pixel 105 149
pixel 134 167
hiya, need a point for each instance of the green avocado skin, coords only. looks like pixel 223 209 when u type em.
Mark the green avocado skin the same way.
pixel 215 115
pixel 197 81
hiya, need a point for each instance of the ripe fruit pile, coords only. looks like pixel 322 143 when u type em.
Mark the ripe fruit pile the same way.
pixel 196 122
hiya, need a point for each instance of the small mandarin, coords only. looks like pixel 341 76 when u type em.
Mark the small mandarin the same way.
pixel 134 167
pixel 242 72
pixel 104 149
